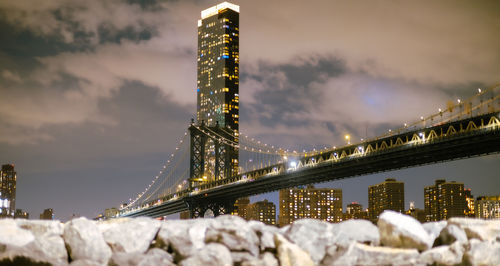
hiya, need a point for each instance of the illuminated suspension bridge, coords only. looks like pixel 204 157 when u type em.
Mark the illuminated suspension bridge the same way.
pixel 463 129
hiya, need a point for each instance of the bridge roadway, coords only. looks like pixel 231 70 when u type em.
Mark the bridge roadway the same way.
pixel 450 141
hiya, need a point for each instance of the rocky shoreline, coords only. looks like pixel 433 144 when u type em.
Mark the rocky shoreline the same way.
pixel 230 240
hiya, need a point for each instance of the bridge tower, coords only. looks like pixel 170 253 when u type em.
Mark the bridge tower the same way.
pixel 214 153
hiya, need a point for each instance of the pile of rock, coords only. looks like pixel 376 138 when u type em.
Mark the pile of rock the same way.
pixel 229 240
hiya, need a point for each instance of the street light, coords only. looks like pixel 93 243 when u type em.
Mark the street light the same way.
pixel 348 138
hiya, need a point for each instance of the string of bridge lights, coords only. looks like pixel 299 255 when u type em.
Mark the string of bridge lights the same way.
pixel 167 177
pixel 167 163
pixel 449 109
pixel 265 148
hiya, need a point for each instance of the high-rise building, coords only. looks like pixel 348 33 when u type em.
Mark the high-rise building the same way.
pixel 354 210
pixel 309 202
pixel 8 177
pixel 488 207
pixel 48 214
pixel 218 80
pixel 241 207
pixel 444 200
pixel 264 211
pixel 388 195
pixel 470 205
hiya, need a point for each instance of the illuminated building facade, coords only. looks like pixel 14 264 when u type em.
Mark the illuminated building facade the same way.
pixel 470 205
pixel 218 81
pixel 444 200
pixel 388 195
pixel 8 177
pixel 309 202
pixel 20 214
pixel 264 211
pixel 488 207
pixel 354 210
pixel 241 207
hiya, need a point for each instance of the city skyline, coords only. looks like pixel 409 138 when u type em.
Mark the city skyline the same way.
pixel 95 101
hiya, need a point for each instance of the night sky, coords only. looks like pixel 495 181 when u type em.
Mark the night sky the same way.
pixel 95 95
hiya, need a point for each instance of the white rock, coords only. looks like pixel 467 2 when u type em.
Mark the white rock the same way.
pixel 361 254
pixel 313 236
pixel 86 263
pixel 154 256
pixel 450 234
pixel 290 254
pixel 402 231
pixel 482 253
pixel 239 257
pixel 478 228
pixel 12 235
pixel 234 233
pixel 265 259
pixel 434 228
pixel 444 255
pixel 185 237
pixel 131 235
pixel 265 234
pixel 362 231
pixel 41 227
pixel 212 254
pixel 84 241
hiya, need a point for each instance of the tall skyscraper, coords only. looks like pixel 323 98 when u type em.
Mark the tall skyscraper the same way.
pixel 309 202
pixel 488 207
pixel 264 211
pixel 444 200
pixel 8 177
pixel 218 81
pixel 388 195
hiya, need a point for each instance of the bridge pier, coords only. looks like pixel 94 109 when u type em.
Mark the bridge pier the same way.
pixel 210 208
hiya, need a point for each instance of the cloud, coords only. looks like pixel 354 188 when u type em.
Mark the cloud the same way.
pixel 10 76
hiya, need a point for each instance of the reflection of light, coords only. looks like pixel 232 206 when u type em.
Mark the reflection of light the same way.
pixel 479 90
pixel 459 101
pixel 293 164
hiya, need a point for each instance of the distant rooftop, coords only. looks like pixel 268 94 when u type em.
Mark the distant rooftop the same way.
pixel 215 9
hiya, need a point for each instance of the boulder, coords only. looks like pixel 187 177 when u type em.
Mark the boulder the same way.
pixel 313 236
pixel 434 228
pixel 48 242
pixel 42 227
pixel 184 237
pixel 402 231
pixel 265 233
pixel 450 234
pixel 154 256
pixel 444 255
pixel 290 254
pixel 478 228
pixel 213 254
pixel 12 235
pixel 362 231
pixel 239 257
pixel 233 232
pixel 265 259
pixel 361 254
pixel 131 235
pixel 84 241
pixel 482 253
